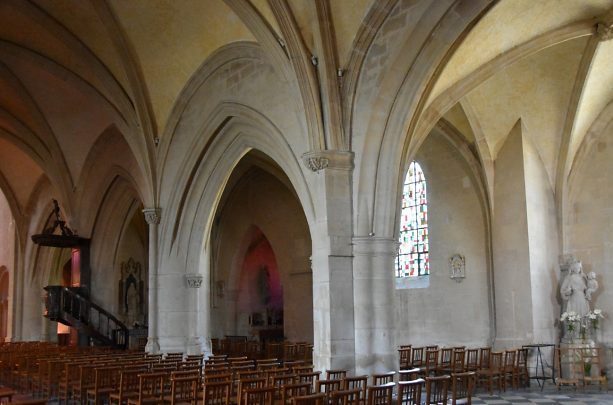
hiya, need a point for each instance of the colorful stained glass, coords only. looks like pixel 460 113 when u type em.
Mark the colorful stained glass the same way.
pixel 412 259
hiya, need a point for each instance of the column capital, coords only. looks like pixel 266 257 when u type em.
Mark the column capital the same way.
pixel 328 159
pixel 604 31
pixel 152 215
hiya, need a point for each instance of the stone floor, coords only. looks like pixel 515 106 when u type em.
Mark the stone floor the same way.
pixel 549 395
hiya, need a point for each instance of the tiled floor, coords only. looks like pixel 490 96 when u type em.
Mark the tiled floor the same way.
pixel 549 395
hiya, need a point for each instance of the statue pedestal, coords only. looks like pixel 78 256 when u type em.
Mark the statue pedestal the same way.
pixel 573 355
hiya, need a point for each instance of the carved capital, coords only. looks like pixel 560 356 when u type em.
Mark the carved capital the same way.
pixel 152 215
pixel 194 280
pixel 328 159
pixel 604 31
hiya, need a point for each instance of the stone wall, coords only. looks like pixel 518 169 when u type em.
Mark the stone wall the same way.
pixel 447 312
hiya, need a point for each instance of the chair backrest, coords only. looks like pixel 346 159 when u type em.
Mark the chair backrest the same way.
pixel 384 378
pixel 462 386
pixel 184 389
pixel 336 374
pixel 496 361
pixel 259 396
pixel 457 361
pixel 313 399
pixel 303 369
pixel 417 356
pixel 509 359
pixel 484 358
pixel 380 394
pixel 446 354
pixel 359 382
pixel 437 389
pixel 327 386
pixel 404 357
pixel 151 385
pixel 217 393
pixel 311 378
pixel 347 397
pixel 472 359
pixel 290 391
pixel 409 392
pixel 250 383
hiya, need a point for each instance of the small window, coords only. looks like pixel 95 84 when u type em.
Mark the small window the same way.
pixel 412 259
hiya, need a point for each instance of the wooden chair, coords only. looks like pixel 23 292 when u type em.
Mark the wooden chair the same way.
pixel 430 364
pixel 592 368
pixel 409 392
pixel 127 387
pixel 216 393
pixel 311 378
pixel 313 399
pixel 150 389
pixel 384 378
pixel 336 374
pixel 184 390
pixel 259 396
pixel 462 387
pixel 303 369
pixel 279 381
pixel 380 394
pixel 457 362
pixel 437 389
pixel 445 363
pixel 250 383
pixel 106 381
pixel 417 356
pixel 347 397
pixel 290 391
pixel 328 386
pixel 358 382
pixel 508 369
pixel 484 357
pixel 493 373
pixel 521 368
pixel 404 358
pixel 472 360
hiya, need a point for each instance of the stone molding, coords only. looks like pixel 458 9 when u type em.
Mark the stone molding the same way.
pixel 152 215
pixel 328 159
pixel 604 31
pixel 194 280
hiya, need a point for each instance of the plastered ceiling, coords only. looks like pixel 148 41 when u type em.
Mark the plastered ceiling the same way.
pixel 69 69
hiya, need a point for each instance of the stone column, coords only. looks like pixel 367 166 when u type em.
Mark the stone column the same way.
pixel 197 340
pixel 373 296
pixel 152 216
pixel 333 304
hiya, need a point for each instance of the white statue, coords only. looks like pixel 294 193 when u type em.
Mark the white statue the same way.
pixel 574 290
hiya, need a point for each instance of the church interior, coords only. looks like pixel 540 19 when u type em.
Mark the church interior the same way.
pixel 355 175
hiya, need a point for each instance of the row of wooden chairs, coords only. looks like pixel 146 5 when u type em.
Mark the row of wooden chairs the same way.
pixel 284 351
pixel 492 368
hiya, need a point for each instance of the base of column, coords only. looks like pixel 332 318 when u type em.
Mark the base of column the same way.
pixel 199 345
pixel 153 345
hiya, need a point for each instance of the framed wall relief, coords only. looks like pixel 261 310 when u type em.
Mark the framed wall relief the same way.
pixel 457 267
pixel 131 292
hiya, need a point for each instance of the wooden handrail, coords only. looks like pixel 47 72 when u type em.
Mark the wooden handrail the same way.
pixel 66 305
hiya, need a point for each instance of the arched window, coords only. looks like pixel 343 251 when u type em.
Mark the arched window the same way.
pixel 412 259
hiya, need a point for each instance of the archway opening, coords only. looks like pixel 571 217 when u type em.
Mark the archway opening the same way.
pixel 260 265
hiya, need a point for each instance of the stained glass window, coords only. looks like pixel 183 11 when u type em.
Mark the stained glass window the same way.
pixel 412 259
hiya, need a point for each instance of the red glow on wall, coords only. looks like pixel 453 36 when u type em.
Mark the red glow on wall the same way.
pixel 259 285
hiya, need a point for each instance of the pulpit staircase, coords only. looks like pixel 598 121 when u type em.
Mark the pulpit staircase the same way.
pixel 72 307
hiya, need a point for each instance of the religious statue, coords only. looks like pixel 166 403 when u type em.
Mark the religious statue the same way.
pixel 574 290
pixel 592 285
